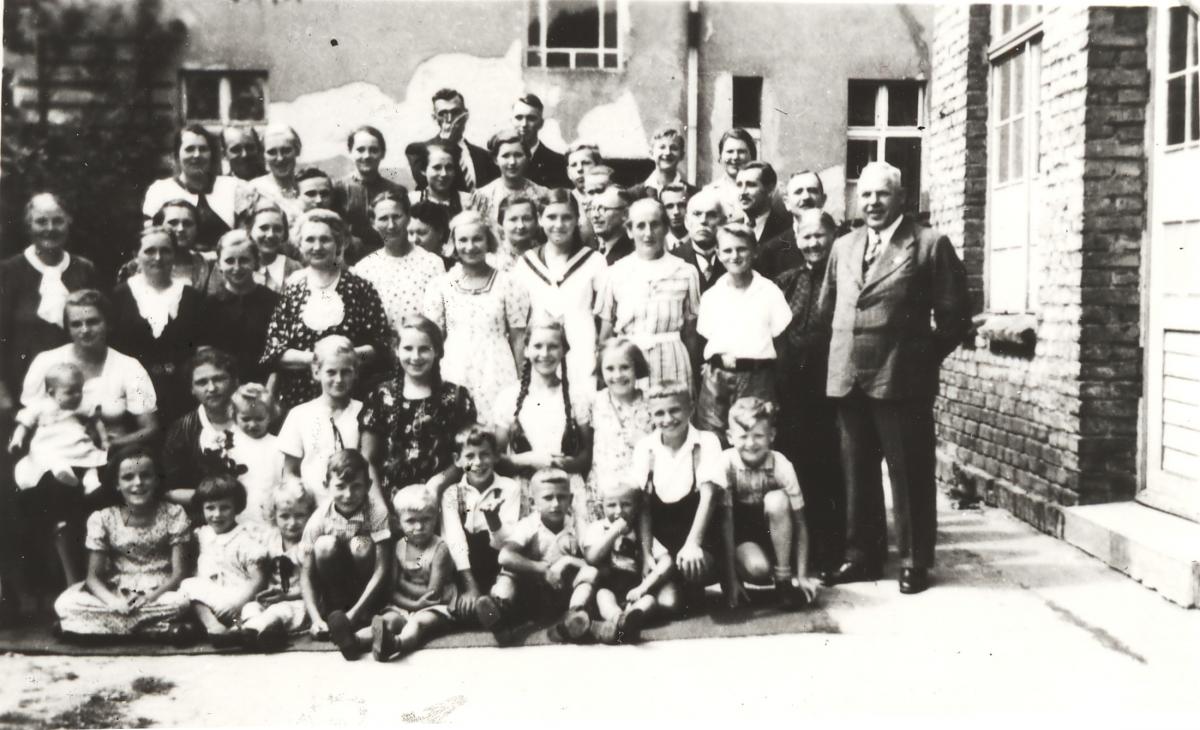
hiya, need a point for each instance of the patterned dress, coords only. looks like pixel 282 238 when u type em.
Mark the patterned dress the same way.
pixel 650 302
pixel 139 561
pixel 477 323
pixel 418 435
pixel 616 429
pixel 401 281
pixel 361 319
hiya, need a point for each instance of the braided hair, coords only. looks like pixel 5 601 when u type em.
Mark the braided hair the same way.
pixel 571 436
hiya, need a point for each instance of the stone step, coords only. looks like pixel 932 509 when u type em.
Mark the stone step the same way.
pixel 1158 549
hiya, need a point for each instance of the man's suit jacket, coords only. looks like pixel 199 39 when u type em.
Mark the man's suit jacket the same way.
pixel 619 249
pixel 778 254
pixel 548 168
pixel 882 340
pixel 688 254
pixel 777 222
pixel 485 169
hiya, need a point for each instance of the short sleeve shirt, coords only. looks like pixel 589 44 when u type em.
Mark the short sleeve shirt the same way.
pixel 312 434
pixel 532 539
pixel 123 385
pixel 748 485
pixel 626 555
pixel 228 556
pixel 371 520
pixel 742 323
pixel 672 470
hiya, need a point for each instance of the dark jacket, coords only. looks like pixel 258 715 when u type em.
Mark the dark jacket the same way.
pixel 688 254
pixel 485 169
pixel 548 168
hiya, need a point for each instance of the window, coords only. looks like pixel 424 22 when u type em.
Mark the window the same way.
pixel 223 97
pixel 1183 78
pixel 885 120
pixel 1013 159
pixel 747 102
pixel 574 34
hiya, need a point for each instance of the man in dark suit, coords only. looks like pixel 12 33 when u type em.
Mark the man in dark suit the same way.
pixel 476 167
pixel 883 283
pixel 674 197
pixel 704 216
pixel 546 167
pixel 755 188
pixel 608 211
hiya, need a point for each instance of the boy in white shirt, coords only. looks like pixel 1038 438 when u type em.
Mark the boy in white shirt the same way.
pixel 740 317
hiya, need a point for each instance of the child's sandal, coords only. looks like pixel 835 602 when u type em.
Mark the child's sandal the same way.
pixel 383 642
pixel 629 625
pixel 341 634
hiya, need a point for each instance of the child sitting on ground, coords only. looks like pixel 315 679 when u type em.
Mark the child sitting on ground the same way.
pixel 60 445
pixel 279 609
pixel 763 517
pixel 626 593
pixel 419 600
pixel 345 550
pixel 230 567
pixel 541 567
pixel 314 430
pixel 258 450
pixel 477 514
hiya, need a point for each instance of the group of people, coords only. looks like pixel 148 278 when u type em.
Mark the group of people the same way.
pixel 520 392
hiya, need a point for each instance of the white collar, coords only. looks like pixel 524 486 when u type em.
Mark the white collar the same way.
pixel 156 307
pixel 885 236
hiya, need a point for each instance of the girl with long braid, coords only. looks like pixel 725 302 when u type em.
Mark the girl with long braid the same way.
pixel 408 424
pixel 541 423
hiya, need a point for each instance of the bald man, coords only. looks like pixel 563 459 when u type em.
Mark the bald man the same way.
pixel 705 214
pixel 884 284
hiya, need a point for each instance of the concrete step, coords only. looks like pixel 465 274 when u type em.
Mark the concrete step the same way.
pixel 1158 549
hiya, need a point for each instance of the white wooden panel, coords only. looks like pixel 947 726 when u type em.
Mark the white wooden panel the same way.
pixel 1184 343
pixel 1182 366
pixel 1006 273
pixel 1181 414
pixel 1181 464
pixel 1178 389
pixel 1181 439
pixel 1180 251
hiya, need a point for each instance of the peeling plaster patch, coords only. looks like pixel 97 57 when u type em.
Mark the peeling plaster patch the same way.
pixel 616 127
pixel 834 180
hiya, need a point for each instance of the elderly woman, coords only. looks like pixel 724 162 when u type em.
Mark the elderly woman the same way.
pixel 34 286
pixel 160 320
pixel 191 266
pixel 441 176
pixel 118 388
pixel 510 154
pixel 217 198
pixel 281 147
pixel 355 192
pixel 242 308
pixel 322 299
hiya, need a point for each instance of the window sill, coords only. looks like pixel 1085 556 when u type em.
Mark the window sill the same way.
pixel 1007 334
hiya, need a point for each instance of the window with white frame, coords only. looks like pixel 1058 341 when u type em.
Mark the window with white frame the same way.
pixel 885 121
pixel 574 34
pixel 223 97
pixel 1013 159
pixel 1183 78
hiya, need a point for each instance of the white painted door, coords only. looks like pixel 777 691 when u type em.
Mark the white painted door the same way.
pixel 1172 464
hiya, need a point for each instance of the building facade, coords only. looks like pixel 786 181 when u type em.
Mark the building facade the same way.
pixel 1060 146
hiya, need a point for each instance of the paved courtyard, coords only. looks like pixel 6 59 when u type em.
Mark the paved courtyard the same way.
pixel 1019 626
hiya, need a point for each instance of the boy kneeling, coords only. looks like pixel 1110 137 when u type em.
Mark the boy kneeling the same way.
pixel 541 567
pixel 763 510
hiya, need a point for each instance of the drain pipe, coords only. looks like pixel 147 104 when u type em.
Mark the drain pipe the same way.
pixel 693 87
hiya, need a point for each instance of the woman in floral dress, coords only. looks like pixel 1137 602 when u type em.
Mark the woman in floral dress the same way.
pixel 483 313
pixel 321 300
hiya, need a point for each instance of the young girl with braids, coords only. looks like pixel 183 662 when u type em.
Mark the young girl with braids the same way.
pixel 408 424
pixel 541 423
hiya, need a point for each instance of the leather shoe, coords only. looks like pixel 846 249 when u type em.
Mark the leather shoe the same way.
pixel 852 573
pixel 913 580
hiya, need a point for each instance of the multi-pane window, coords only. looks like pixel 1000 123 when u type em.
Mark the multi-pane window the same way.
pixel 885 121
pixel 1013 159
pixel 1183 78
pixel 223 97
pixel 580 34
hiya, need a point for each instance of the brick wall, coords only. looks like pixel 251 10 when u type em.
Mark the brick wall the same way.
pixel 1058 426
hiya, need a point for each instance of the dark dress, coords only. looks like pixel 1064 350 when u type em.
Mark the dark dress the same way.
pixel 165 357
pixel 418 434
pixel 185 464
pixel 364 323
pixel 23 334
pixel 241 328
pixel 808 434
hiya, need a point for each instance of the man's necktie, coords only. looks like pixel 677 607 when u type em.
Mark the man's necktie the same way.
pixel 464 165
pixel 873 245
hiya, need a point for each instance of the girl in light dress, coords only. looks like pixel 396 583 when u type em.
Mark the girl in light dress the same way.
pixel 482 312
pixel 620 417
pixel 541 423
pixel 255 448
